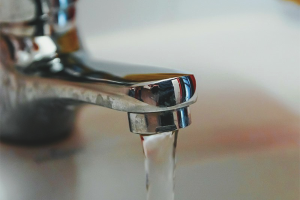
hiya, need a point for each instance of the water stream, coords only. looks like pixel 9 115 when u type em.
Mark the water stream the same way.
pixel 159 150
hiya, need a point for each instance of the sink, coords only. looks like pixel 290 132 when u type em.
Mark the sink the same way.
pixel 244 139
pixel 250 151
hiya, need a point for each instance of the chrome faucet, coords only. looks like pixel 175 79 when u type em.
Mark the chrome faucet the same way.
pixel 46 75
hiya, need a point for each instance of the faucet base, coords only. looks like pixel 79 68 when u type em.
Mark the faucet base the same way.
pixel 39 122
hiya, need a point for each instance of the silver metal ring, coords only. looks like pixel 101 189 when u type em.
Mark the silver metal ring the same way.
pixel 158 122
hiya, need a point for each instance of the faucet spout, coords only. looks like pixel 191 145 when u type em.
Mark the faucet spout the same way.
pixel 44 79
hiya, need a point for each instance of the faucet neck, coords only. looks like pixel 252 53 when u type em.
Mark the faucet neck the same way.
pixel 37 17
pixel 41 29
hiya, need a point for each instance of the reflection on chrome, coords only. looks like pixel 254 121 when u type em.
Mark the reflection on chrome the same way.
pixel 166 93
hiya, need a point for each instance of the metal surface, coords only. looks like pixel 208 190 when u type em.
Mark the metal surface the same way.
pixel 151 123
pixel 39 69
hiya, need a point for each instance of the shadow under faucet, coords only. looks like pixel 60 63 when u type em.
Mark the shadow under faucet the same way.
pixel 46 75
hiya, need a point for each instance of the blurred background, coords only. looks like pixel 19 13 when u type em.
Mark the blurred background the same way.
pixel 243 143
pixel 258 41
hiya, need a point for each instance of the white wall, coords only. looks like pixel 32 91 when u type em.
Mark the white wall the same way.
pixel 102 17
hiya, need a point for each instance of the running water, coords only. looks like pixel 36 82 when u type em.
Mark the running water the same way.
pixel 159 150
